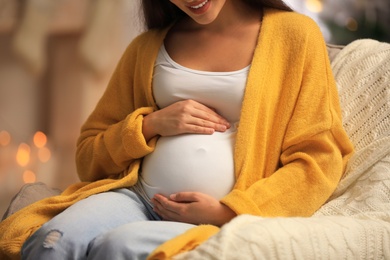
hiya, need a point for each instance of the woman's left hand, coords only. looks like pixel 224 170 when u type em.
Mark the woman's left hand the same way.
pixel 192 207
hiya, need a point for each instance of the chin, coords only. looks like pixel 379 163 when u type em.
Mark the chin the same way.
pixel 204 21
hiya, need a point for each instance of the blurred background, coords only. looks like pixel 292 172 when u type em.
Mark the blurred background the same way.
pixel 56 57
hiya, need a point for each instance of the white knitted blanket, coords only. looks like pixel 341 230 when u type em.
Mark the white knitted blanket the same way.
pixel 355 223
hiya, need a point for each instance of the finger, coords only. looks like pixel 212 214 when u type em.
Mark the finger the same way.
pixel 190 128
pixel 159 208
pixel 184 197
pixel 167 211
pixel 204 112
pixel 164 214
pixel 195 124
pixel 159 198
pixel 163 203
pixel 202 123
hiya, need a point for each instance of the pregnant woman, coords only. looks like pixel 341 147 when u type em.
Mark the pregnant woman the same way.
pixel 221 108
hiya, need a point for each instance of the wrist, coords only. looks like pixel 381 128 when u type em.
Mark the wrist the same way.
pixel 226 215
pixel 147 128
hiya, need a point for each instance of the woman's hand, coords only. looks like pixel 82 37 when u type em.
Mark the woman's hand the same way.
pixel 187 116
pixel 192 207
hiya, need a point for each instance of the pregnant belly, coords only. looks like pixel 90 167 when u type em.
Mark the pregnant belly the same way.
pixel 191 162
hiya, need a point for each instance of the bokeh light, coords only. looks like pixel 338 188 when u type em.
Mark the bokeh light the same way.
pixel 314 6
pixel 23 154
pixel 44 154
pixel 5 138
pixel 40 139
pixel 352 24
pixel 29 176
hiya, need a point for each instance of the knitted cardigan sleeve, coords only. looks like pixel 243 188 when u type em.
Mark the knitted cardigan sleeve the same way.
pixel 111 139
pixel 291 148
pixel 294 149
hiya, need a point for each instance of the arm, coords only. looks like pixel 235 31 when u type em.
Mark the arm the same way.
pixel 111 138
pixel 292 156
pixel 187 116
pixel 192 207
pixel 307 149
pixel 125 123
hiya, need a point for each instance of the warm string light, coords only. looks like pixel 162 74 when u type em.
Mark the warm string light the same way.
pixel 40 141
pixel 5 138
pixel 27 157
pixel 23 154
pixel 352 24
pixel 44 154
pixel 315 6
pixel 29 176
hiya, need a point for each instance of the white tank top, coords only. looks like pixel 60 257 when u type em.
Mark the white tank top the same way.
pixel 194 162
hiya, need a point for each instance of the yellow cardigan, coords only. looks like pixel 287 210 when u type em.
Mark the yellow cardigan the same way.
pixel 290 151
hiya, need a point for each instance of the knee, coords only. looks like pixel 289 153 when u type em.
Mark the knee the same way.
pixel 116 244
pixel 134 240
pixel 46 244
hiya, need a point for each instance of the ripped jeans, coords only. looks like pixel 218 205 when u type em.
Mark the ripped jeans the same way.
pixel 112 225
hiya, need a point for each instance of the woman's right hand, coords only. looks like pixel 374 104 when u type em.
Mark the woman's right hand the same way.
pixel 187 116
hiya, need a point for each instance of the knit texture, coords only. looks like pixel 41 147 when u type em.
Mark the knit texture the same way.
pixel 313 142
pixel 290 129
pixel 355 223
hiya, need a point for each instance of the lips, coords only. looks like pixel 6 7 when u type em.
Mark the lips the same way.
pixel 199 7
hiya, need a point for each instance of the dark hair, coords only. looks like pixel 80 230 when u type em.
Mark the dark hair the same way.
pixel 161 13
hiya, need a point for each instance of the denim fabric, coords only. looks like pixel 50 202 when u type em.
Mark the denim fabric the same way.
pixel 112 225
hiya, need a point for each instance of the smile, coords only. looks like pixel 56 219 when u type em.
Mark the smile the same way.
pixel 199 5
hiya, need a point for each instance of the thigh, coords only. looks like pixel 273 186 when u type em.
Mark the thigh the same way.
pixel 135 240
pixel 68 234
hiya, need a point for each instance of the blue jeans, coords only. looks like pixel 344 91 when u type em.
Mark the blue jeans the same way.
pixel 112 225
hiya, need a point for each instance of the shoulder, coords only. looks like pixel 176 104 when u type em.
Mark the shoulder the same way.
pixel 144 45
pixel 147 38
pixel 291 23
pixel 291 31
pixel 289 19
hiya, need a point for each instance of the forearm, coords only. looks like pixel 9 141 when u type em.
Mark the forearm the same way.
pixel 148 130
pixel 226 214
pixel 108 151
pixel 308 175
